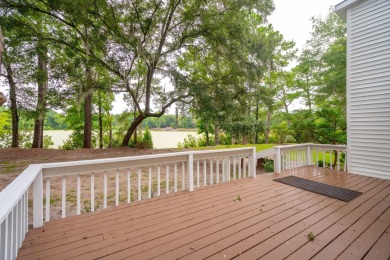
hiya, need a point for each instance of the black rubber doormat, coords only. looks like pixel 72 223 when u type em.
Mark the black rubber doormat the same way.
pixel 320 188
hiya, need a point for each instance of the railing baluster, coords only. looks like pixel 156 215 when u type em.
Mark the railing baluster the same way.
pixel 204 173
pixel 78 194
pixel 176 177
pixel 299 163
pixel 63 196
pixel 26 213
pixel 234 168
pixel 25 209
pixel 139 185
pixel 183 176
pixel 158 180
pixel 6 238
pixel 228 168
pixel 20 224
pixel 331 159
pixel 217 170
pixel 345 161
pixel 211 172
pixel 317 157
pixel 244 173
pixel 190 172
pixel 323 158
pixel 92 191
pixel 197 174
pixel 11 235
pixel 116 187
pixel 223 169
pixel 105 189
pixel 20 221
pixel 150 183
pixel 338 160
pixel 128 186
pixel 15 231
pixel 167 180
pixel 47 208
pixel 239 168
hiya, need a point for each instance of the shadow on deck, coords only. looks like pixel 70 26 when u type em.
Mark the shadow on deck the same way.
pixel 243 219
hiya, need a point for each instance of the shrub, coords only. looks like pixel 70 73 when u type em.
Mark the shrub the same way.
pixel 269 166
pixel 321 164
pixel 189 142
pixel 147 141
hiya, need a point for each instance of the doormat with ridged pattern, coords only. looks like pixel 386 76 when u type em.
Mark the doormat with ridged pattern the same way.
pixel 320 188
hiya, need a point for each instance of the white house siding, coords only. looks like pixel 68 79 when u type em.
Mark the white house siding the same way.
pixel 369 87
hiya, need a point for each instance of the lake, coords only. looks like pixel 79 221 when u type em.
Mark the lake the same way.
pixel 161 139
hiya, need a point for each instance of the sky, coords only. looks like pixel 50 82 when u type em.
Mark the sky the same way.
pixel 291 18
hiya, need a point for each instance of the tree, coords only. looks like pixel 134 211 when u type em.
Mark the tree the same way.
pixel 42 82
pixel 281 52
pixel 3 98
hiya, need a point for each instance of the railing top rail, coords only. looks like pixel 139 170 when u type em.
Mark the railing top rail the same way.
pixel 266 153
pixel 337 146
pixel 11 194
pixel 140 157
pixel 291 146
pixel 332 146
pixel 64 168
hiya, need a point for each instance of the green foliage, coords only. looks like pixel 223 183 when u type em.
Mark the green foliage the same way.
pixel 311 236
pixel 228 70
pixel 193 141
pixel 168 121
pixel 54 121
pixel 269 166
pixel 147 141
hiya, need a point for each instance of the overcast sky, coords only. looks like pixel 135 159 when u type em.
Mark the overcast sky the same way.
pixel 291 18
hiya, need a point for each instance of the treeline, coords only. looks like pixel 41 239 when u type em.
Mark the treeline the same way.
pixel 220 62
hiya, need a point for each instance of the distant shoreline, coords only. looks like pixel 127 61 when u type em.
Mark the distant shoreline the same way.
pixel 151 129
pixel 175 129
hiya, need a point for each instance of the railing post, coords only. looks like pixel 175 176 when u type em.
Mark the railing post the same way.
pixel 277 164
pixel 254 161
pixel 190 170
pixel 38 201
pixel 308 155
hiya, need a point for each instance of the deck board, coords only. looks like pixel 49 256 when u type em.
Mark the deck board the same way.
pixel 271 221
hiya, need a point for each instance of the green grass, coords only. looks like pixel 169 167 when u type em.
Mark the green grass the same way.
pixel 328 159
pixel 8 167
pixel 259 147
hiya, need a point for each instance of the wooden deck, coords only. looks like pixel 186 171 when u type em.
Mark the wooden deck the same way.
pixel 243 219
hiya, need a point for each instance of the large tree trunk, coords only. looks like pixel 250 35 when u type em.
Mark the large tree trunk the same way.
pixel 100 122
pixel 257 120
pixel 177 116
pixel 41 102
pixel 287 115
pixel 133 127
pixel 216 134
pixel 110 135
pixel 135 131
pixel 87 140
pixel 1 47
pixel 3 98
pixel 268 126
pixel 14 108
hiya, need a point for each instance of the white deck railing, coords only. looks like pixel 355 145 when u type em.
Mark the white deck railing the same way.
pixel 153 175
pixel 293 156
